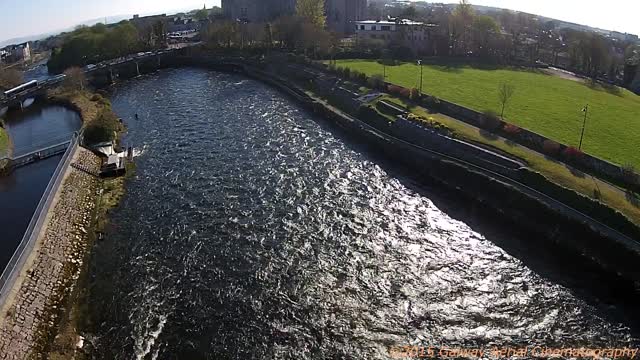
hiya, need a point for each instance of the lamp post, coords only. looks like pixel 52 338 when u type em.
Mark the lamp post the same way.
pixel 585 110
pixel 420 63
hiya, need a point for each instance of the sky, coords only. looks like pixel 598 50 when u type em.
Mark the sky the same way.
pixel 19 18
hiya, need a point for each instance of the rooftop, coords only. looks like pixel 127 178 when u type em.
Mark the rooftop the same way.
pixel 386 22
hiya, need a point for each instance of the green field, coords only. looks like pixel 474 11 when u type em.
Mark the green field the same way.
pixel 545 104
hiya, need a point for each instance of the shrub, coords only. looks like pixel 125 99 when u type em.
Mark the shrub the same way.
pixel 511 129
pixel 432 102
pixel 629 174
pixel 573 154
pixel 394 89
pixel 346 73
pixel 102 128
pixel 414 94
pixel 404 92
pixel 551 147
pixel 491 121
pixel 376 81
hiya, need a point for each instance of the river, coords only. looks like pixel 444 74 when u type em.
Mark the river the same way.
pixel 252 230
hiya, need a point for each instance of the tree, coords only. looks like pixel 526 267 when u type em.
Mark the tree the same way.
pixel 312 11
pixel 505 93
pixel 75 79
pixel 10 78
pixel 484 27
pixel 460 25
pixel 202 14
pixel 223 33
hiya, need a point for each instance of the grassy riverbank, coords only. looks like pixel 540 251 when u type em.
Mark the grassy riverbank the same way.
pixel 94 111
pixel 545 104
pixel 555 171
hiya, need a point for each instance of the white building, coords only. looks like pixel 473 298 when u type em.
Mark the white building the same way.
pixel 412 34
pixel 21 52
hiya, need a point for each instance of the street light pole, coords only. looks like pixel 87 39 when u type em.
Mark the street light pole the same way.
pixel 420 63
pixel 585 110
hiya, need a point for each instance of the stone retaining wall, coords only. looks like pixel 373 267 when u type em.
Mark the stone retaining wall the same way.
pixel 29 315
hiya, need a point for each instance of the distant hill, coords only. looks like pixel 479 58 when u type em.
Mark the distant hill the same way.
pixel 20 40
pixel 109 19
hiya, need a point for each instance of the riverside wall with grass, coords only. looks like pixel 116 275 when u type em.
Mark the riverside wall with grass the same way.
pixel 539 110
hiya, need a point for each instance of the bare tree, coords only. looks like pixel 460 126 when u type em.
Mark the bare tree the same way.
pixel 75 79
pixel 505 92
pixel 10 78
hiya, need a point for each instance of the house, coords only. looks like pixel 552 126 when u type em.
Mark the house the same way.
pixel 17 53
pixel 4 55
pixel 402 32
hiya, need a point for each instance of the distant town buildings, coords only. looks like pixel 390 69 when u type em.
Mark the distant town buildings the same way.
pixel 152 29
pixel 412 34
pixel 623 36
pixel 257 10
pixel 16 53
pixel 341 14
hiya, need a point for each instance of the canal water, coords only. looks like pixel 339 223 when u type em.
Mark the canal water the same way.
pixel 40 126
pixel 20 193
pixel 35 127
pixel 252 230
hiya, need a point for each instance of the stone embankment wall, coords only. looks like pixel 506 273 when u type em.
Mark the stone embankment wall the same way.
pixel 29 316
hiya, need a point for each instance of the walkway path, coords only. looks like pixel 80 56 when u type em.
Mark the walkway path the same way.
pixel 29 314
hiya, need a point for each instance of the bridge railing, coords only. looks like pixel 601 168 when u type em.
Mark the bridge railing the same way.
pixel 26 246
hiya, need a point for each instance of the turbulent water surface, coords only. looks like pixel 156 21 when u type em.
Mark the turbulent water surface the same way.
pixel 253 230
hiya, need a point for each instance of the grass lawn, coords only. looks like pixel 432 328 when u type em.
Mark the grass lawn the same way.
pixel 543 103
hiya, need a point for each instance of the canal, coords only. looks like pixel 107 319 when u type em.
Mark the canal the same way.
pixel 253 230
pixel 36 127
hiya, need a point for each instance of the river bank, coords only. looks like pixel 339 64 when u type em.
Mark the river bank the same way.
pixel 42 303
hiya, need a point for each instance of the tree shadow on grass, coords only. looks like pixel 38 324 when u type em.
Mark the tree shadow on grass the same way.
pixel 633 198
pixel 575 172
pixel 488 135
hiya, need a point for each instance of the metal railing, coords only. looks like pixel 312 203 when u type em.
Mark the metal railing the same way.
pixel 26 246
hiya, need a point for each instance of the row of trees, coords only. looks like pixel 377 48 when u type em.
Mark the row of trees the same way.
pixel 511 37
pixel 87 45
pixel 305 31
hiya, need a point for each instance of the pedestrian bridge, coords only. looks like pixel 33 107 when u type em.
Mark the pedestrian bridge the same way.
pixel 39 154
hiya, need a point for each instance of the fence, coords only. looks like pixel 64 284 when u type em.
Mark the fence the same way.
pixel 17 262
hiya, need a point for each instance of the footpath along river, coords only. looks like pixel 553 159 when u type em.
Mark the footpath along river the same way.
pixel 253 230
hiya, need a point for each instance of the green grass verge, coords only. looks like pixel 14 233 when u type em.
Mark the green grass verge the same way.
pixel 555 171
pixel 542 103
pixel 4 142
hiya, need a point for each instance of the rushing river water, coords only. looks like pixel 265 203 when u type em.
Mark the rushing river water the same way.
pixel 251 230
